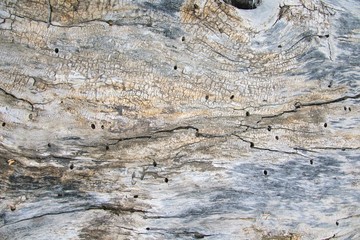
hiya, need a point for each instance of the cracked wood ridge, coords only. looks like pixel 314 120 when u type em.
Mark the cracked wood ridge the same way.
pixel 179 119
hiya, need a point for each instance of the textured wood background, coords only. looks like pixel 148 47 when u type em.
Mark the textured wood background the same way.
pixel 174 119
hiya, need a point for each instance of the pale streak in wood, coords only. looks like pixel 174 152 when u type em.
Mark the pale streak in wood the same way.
pixel 115 69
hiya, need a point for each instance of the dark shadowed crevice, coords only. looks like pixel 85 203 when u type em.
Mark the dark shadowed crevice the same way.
pixel 244 4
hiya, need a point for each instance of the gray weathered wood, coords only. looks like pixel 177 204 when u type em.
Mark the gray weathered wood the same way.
pixel 173 119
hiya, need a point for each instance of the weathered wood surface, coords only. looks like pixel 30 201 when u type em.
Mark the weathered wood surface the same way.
pixel 172 119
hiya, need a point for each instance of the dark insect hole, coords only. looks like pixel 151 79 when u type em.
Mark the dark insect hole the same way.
pixel 297 105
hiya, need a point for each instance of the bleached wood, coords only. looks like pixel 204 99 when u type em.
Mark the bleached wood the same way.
pixel 172 119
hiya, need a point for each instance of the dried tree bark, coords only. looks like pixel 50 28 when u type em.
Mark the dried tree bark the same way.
pixel 173 119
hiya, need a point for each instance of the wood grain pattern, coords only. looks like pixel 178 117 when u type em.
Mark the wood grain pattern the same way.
pixel 179 119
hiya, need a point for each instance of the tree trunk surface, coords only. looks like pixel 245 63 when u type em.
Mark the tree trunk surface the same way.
pixel 179 119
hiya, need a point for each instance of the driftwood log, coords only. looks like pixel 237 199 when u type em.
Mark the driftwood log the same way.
pixel 179 119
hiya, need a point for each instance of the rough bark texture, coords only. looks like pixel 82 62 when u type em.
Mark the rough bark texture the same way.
pixel 179 119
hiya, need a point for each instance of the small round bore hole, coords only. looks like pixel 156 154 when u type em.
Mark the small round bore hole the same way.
pixel 136 196
pixel 269 128
pixel 166 180
pixel 345 108
pixel 12 208
pixel 107 148
pixel 327 35
pixel 147 228
pixel 277 137
pixel 311 161
pixel 279 46
pixel 265 172
pixel 175 67
pixel 325 125
pixel 49 145
pixel 207 97
pixel 247 114
pixel 337 223
pixel 71 166
pixel 183 39
pixel 252 144
pixel 3 124
pixel 232 97
pixel 56 50
pixel 102 127
pixel 154 164
pixel 93 126
pixel 350 109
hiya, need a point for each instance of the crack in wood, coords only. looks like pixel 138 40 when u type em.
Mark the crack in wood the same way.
pixel 17 98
